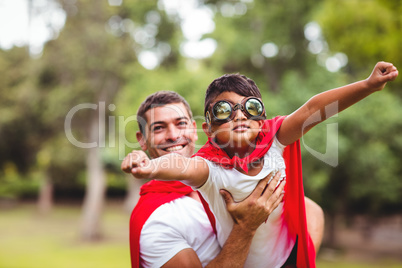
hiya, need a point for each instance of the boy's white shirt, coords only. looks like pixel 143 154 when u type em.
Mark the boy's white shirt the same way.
pixel 272 243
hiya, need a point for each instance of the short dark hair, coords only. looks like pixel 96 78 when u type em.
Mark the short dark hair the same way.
pixel 236 83
pixel 158 99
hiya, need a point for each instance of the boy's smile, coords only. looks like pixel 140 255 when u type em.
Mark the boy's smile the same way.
pixel 236 136
pixel 242 127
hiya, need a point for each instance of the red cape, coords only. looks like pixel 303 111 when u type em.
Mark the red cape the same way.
pixel 152 195
pixel 294 207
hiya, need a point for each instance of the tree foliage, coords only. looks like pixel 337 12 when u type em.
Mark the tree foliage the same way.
pixel 367 32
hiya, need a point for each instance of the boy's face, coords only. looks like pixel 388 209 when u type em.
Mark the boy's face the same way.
pixel 169 129
pixel 237 135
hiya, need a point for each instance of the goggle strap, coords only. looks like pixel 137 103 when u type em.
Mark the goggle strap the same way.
pixel 238 106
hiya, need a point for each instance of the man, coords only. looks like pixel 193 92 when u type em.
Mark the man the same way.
pixel 176 231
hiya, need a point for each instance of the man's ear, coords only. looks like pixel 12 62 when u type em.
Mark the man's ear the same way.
pixel 207 129
pixel 141 140
pixel 195 131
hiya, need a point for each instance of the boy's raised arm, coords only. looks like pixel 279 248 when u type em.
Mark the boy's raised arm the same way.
pixel 171 167
pixel 326 104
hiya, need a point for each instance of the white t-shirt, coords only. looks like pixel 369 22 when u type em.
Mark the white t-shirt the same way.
pixel 174 226
pixel 272 243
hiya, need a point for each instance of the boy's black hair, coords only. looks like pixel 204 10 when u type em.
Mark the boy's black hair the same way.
pixel 236 83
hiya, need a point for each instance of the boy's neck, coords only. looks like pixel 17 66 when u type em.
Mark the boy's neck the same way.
pixel 240 152
pixel 253 168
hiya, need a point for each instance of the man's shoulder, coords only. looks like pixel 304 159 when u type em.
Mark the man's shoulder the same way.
pixel 177 225
pixel 182 215
pixel 183 207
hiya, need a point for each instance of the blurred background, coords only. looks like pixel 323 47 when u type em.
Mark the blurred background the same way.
pixel 73 74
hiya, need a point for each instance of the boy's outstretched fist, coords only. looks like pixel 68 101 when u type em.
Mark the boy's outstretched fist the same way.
pixel 383 72
pixel 137 163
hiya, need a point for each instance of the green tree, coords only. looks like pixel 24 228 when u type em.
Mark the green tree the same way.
pixel 367 36
pixel 84 65
pixel 264 39
pixel 366 31
pixel 17 108
pixel 369 150
pixel 21 129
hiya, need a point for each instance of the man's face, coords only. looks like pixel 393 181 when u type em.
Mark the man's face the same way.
pixel 169 129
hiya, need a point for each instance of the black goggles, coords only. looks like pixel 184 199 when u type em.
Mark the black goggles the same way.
pixel 224 111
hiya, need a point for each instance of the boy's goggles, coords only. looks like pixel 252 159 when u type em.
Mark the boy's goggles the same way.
pixel 224 111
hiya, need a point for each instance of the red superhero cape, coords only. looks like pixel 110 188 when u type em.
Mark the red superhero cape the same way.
pixel 294 208
pixel 152 195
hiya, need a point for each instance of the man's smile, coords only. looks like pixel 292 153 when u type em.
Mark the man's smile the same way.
pixel 174 148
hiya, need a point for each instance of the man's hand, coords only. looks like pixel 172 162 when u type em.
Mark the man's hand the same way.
pixel 138 164
pixel 256 208
pixel 383 72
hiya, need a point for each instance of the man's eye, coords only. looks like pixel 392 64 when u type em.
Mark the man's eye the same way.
pixel 157 128
pixel 183 123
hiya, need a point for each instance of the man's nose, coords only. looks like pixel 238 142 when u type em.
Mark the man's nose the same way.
pixel 173 133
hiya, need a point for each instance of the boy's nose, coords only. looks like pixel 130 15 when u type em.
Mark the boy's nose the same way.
pixel 239 115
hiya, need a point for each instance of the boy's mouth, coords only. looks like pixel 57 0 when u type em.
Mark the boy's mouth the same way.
pixel 242 127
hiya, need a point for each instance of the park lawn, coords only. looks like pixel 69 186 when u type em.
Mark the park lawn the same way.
pixel 355 264
pixel 28 240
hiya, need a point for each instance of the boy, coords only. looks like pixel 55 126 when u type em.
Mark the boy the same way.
pixel 243 148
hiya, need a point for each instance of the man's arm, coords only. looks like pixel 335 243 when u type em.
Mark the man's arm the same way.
pixel 315 222
pixel 171 167
pixel 326 104
pixel 248 215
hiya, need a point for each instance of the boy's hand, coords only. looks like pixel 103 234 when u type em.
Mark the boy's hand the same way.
pixel 383 72
pixel 256 208
pixel 138 164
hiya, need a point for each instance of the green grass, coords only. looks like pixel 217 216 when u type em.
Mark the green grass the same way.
pixel 28 240
pixel 353 264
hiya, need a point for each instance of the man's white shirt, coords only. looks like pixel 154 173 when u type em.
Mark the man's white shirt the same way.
pixel 174 226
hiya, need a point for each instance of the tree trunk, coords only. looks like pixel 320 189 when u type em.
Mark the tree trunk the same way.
pixel 133 193
pixel 95 188
pixel 332 242
pixel 45 199
pixel 367 229
pixel 272 76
